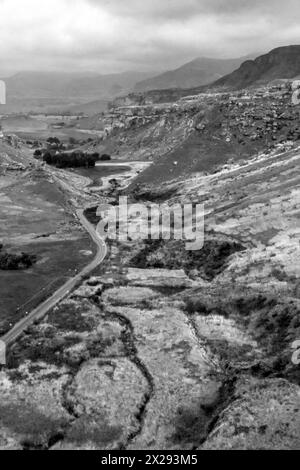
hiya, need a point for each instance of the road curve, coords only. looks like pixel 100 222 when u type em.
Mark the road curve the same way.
pixel 39 312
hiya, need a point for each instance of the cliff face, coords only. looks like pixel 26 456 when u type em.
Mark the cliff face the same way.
pixel 148 131
pixel 201 132
pixel 143 98
pixel 13 154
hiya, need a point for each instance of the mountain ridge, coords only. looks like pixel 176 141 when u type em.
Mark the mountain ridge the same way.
pixel 280 63
pixel 198 72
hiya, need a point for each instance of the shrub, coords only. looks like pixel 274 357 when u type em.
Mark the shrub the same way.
pixel 10 261
pixel 37 153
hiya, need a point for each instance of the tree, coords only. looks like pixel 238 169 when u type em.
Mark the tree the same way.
pixel 105 157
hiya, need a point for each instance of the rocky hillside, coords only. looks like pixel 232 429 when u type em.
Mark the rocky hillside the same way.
pixel 203 132
pixel 14 155
pixel 280 63
pixel 200 71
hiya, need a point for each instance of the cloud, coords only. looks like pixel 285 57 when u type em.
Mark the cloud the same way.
pixel 115 35
pixel 162 10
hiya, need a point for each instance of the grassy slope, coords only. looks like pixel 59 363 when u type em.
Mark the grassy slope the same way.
pixel 34 219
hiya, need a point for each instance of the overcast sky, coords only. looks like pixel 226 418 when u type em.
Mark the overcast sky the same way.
pixel 117 35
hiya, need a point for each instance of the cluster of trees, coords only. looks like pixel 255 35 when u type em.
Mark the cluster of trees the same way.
pixel 56 154
pixel 71 160
pixel 10 261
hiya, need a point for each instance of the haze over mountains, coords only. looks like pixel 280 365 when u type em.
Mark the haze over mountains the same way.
pixel 200 71
pixel 93 86
pixel 55 84
pixel 56 91
pixel 34 90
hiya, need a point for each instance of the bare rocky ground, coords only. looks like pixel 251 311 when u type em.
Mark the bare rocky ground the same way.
pixel 161 349
pixel 120 366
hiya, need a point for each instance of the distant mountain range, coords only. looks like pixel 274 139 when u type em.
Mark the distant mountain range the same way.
pixel 280 63
pixel 89 92
pixel 54 85
pixel 200 71
pixel 52 90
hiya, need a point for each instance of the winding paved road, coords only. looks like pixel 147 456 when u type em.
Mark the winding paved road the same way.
pixel 39 312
